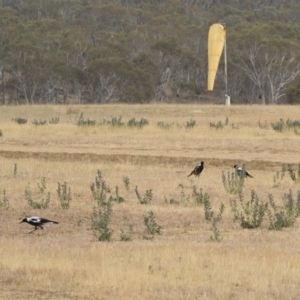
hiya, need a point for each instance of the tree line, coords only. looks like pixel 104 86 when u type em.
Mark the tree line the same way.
pixel 137 51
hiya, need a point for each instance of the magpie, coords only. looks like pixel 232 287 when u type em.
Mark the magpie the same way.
pixel 37 222
pixel 198 169
pixel 240 171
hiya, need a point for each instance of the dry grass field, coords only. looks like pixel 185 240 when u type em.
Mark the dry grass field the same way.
pixel 66 261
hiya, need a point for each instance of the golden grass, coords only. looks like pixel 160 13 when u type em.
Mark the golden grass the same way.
pixel 66 262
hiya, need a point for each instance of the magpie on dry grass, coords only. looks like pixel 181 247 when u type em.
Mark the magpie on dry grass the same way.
pixel 37 222
pixel 240 171
pixel 198 169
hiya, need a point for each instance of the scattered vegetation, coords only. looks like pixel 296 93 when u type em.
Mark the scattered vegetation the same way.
pixel 100 189
pixel 1 134
pixel 263 125
pixel 233 184
pixel 126 181
pixel 39 122
pixel 209 216
pixel 114 122
pixel 101 218
pixel 147 197
pixel 190 124
pixel 125 237
pixel 42 186
pixel 64 195
pixel 280 125
pixel 249 214
pixel 86 122
pixel 164 125
pixel 217 125
pixel 139 124
pixel 43 204
pixel 285 216
pixel 117 198
pixel 54 120
pixel 20 120
pixel 278 177
pixel 295 176
pixel 152 227
pixel 200 197
pixel 208 212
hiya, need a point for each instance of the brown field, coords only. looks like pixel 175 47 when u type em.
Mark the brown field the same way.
pixel 66 261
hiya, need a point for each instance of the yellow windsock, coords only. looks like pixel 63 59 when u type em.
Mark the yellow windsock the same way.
pixel 216 40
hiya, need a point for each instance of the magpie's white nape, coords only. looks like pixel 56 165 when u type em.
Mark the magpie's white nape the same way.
pixel 242 172
pixel 37 222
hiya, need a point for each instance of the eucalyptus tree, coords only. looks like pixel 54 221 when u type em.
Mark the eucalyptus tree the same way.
pixel 267 57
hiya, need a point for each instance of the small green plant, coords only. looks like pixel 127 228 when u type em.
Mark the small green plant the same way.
pixel 183 197
pixel 126 181
pixel 147 197
pixel 100 189
pixel 171 201
pixel 39 122
pixel 43 204
pixel 200 197
pixel 281 217
pixel 278 126
pixel 293 125
pixel 117 198
pixel 54 120
pixel 4 200
pixel 226 121
pixel 218 125
pixel 263 125
pixel 250 214
pixel 208 212
pixel 125 237
pixel 114 122
pixel 15 170
pixel 233 184
pixel 101 218
pixel 164 125
pixel 139 124
pixel 278 177
pixel 190 124
pixel 20 120
pixel 152 227
pixel 64 195
pixel 86 122
pixel 295 176
pixel 1 134
pixel 216 237
pixel 42 186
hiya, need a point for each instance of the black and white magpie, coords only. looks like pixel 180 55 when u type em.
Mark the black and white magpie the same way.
pixel 240 171
pixel 198 169
pixel 37 222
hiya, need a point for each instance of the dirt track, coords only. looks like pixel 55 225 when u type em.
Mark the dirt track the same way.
pixel 134 159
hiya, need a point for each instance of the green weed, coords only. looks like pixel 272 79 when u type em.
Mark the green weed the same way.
pixel 152 227
pixel 64 195
pixel 233 184
pixel 101 218
pixel 249 214
pixel 147 197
